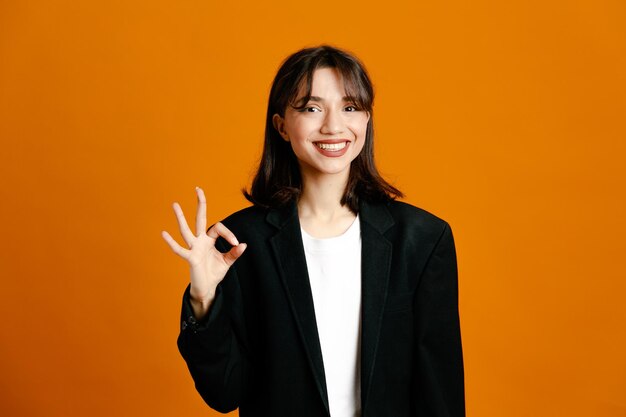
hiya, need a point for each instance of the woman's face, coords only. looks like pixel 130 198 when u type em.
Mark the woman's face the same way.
pixel 329 132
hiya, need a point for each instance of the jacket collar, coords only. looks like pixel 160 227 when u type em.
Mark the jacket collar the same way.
pixel 377 215
pixel 375 267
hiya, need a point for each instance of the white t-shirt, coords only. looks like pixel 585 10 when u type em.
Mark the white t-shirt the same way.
pixel 334 266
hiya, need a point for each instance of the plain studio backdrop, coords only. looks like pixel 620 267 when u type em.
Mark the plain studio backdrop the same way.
pixel 507 119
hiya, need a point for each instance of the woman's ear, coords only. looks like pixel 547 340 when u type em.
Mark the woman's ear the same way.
pixel 279 125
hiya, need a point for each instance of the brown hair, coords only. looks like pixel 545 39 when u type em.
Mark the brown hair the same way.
pixel 278 180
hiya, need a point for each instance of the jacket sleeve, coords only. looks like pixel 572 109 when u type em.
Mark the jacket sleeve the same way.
pixel 438 357
pixel 213 348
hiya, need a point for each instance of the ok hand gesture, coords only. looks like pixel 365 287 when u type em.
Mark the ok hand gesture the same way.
pixel 208 265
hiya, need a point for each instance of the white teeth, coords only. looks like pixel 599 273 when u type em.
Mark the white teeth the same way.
pixel 331 146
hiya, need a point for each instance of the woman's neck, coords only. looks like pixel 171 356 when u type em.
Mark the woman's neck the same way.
pixel 319 206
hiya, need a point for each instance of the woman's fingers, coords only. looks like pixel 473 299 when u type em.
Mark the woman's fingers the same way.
pixel 201 214
pixel 176 248
pixel 218 229
pixel 235 252
pixel 182 225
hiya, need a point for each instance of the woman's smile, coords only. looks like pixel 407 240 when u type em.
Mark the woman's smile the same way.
pixel 332 148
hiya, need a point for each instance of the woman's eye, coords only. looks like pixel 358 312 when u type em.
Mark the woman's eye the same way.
pixel 311 109
pixel 351 108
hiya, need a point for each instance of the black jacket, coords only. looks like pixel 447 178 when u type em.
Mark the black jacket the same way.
pixel 258 347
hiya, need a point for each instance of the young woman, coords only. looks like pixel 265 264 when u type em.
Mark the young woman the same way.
pixel 342 301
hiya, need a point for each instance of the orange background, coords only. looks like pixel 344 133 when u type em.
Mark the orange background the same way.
pixel 507 119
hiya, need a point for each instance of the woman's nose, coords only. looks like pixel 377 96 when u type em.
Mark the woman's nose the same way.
pixel 333 123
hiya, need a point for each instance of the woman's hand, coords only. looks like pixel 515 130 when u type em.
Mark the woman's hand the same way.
pixel 207 264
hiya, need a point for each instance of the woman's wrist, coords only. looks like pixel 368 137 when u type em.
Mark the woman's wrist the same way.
pixel 201 304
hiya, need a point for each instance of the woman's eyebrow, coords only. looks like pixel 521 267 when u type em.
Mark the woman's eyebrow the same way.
pixel 316 98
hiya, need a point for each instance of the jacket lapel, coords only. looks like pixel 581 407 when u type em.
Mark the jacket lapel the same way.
pixel 375 266
pixel 289 252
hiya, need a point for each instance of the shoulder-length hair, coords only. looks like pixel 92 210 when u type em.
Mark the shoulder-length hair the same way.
pixel 277 180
